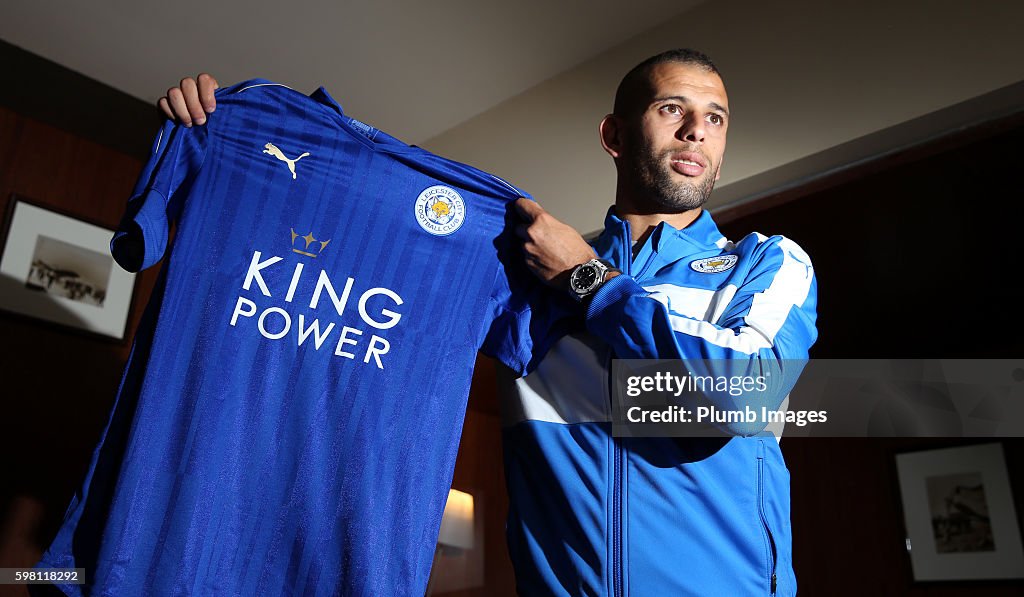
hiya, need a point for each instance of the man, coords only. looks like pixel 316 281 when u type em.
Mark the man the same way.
pixel 595 514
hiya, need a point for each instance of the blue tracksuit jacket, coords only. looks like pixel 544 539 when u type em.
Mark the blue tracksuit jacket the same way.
pixel 591 514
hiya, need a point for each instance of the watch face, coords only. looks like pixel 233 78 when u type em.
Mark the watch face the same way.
pixel 585 277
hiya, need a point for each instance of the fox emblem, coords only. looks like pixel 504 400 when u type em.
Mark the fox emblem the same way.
pixel 271 149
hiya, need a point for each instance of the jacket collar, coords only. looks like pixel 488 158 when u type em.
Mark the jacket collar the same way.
pixel 701 235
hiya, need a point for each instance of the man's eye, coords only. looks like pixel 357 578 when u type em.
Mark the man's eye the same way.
pixel 672 109
pixel 716 119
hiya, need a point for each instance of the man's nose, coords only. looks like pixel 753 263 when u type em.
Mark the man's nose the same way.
pixel 692 130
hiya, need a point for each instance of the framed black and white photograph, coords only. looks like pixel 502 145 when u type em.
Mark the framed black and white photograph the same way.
pixel 959 513
pixel 58 269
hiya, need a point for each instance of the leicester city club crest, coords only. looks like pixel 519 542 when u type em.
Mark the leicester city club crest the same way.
pixel 714 265
pixel 440 210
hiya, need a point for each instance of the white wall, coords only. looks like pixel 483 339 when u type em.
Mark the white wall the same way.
pixel 803 76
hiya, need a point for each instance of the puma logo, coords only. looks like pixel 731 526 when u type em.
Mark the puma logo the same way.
pixel 273 150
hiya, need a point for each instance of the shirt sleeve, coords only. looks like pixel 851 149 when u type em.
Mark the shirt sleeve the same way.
pixel 765 329
pixel 525 316
pixel 141 237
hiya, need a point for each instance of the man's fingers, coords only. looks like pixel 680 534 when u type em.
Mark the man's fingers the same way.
pixel 165 108
pixel 177 102
pixel 207 85
pixel 191 100
pixel 528 210
pixel 191 93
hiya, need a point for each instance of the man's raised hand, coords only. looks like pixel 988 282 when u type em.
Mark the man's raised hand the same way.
pixel 191 100
pixel 553 249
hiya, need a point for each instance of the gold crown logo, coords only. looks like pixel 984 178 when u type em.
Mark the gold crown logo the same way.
pixel 309 239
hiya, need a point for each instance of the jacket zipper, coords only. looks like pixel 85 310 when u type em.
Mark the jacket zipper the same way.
pixel 617 521
pixel 772 578
pixel 618 464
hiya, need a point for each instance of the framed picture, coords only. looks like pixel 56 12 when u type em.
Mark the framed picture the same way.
pixel 959 514
pixel 58 269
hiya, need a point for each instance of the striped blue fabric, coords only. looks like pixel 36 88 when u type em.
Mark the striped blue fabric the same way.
pixel 289 418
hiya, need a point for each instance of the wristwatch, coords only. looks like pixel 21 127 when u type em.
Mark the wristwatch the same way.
pixel 588 277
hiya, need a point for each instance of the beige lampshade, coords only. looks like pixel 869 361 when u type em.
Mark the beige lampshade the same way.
pixel 457 521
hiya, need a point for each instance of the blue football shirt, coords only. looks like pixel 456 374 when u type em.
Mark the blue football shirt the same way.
pixel 290 415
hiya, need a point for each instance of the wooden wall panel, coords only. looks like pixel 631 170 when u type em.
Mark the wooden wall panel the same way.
pixel 914 259
pixel 57 385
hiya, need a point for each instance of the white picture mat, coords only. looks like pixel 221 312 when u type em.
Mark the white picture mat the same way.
pixel 1007 561
pixel 27 223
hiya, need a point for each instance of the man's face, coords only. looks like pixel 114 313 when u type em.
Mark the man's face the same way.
pixel 675 143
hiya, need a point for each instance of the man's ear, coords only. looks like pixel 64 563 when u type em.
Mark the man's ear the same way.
pixel 612 132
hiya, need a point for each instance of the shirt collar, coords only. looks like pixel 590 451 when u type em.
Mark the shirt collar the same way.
pixel 703 233
pixel 322 97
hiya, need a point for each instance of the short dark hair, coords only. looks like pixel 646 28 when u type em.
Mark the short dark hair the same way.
pixel 637 82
